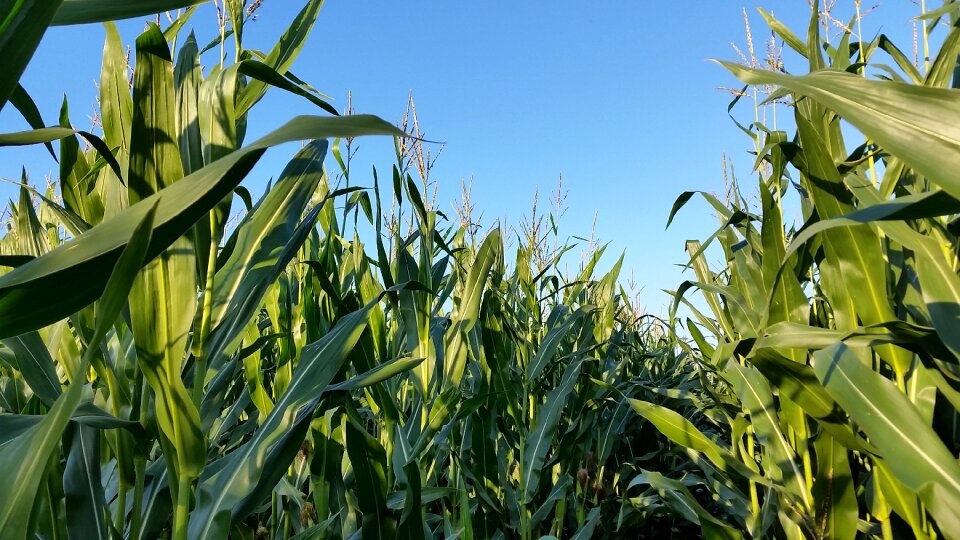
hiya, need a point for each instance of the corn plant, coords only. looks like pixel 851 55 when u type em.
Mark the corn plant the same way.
pixel 274 379
pixel 322 372
pixel 832 346
pixel 155 309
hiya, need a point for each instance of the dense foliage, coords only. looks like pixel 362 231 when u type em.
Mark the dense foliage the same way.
pixel 326 368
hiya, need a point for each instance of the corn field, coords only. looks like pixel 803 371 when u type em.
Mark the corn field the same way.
pixel 346 363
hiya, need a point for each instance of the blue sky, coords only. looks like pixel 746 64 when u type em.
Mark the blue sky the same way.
pixel 616 96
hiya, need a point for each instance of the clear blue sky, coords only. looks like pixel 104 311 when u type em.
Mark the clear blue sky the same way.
pixel 617 96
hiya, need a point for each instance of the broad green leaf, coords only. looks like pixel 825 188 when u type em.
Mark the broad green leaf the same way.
pixel 900 498
pixel 216 114
pixel 282 55
pixel 29 295
pixel 164 296
pixel 368 459
pixel 233 485
pixel 88 11
pixel 918 125
pixel 412 519
pixel 788 303
pixel 780 461
pixel 154 156
pixel 28 109
pixel 783 32
pixel 116 104
pixel 76 190
pixel 540 439
pixel 681 431
pixel 585 532
pixel 947 7
pixel 914 454
pixel 468 310
pixel 941 71
pixel 902 61
pixel 22 24
pixel 261 72
pixel 376 375
pixel 856 250
pixel 833 491
pixel 559 492
pixel 45 135
pixel 799 383
pixel 559 325
pixel 33 360
pixel 172 32
pixel 116 117
pixel 26 459
pixel 83 490
pixel 187 78
pixel 29 232
pixel 940 285
pixel 235 10
pixel 28 455
pixel 679 498
pixel 259 252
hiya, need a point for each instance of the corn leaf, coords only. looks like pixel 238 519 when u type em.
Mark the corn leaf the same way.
pixel 88 11
pixel 918 125
pixel 22 24
pixel 914 454
pixel 29 296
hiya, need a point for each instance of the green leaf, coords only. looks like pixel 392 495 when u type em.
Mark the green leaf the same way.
pixel 154 154
pixel 912 451
pixel 559 492
pixel 88 11
pixel 940 285
pixel 783 32
pixel 833 491
pixel 83 491
pixel 116 105
pixel 74 168
pixel 918 125
pixel 22 24
pixel 264 73
pixel 30 297
pixel 468 311
pixel 45 135
pixel 28 455
pixel 217 116
pixel 780 461
pixel 282 55
pixel 679 498
pixel 540 440
pixel 412 523
pixel 679 430
pixel 857 248
pixel 799 383
pixel 265 244
pixel 585 532
pixel 947 7
pixel 376 375
pixel 902 61
pixel 368 459
pixel 233 485
pixel 559 325
pixel 187 80
pixel 164 296
pixel 28 109
pixel 32 359
pixel 26 459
